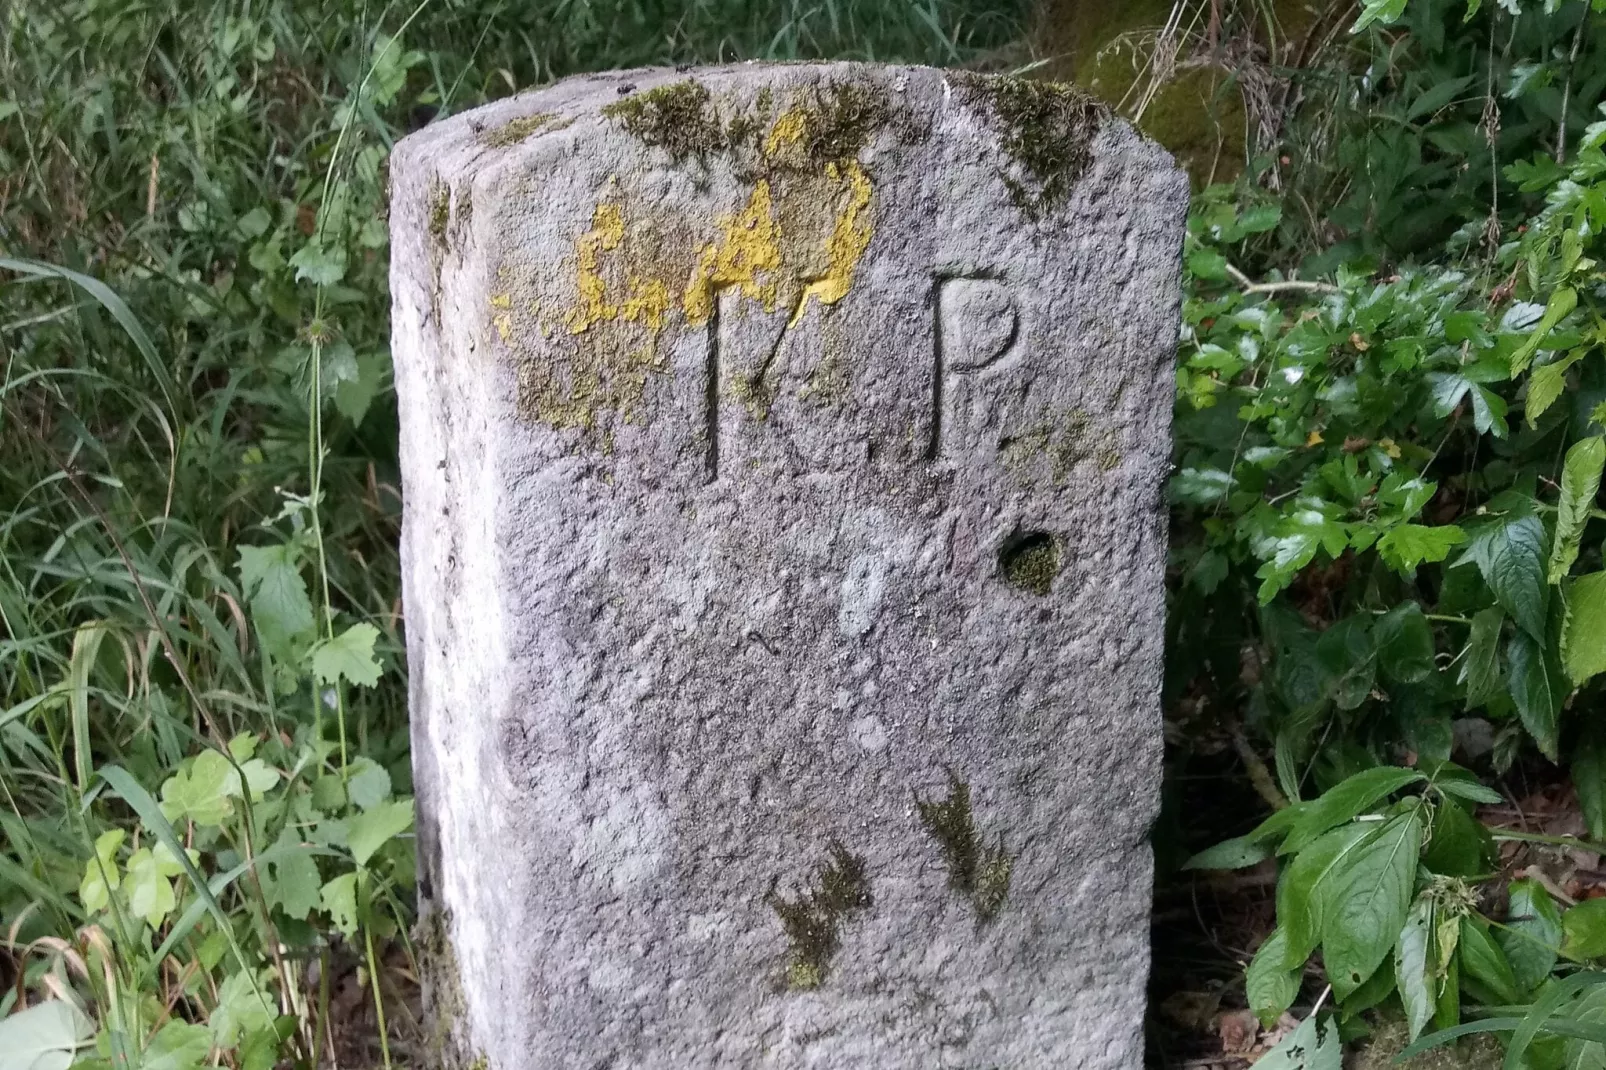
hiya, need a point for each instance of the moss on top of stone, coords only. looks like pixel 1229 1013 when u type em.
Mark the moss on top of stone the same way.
pixel 516 130
pixel 1047 128
pixel 678 117
pixel 814 126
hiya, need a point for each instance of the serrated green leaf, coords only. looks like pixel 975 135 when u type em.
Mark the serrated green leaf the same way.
pixel 200 791
pixel 1533 934
pixel 1480 667
pixel 101 875
pixel 1589 777
pixel 1536 689
pixel 369 784
pixel 1345 800
pixel 319 266
pixel 1510 556
pixel 1459 845
pixel 1405 644
pixel 1269 986
pixel 291 880
pixel 1302 889
pixel 280 606
pixel 149 891
pixel 1546 384
pixel 178 1045
pixel 1580 483
pixel 240 1009
pixel 348 656
pixel 339 899
pixel 1562 302
pixel 1370 896
pixel 1406 546
pixel 1583 636
pixel 372 829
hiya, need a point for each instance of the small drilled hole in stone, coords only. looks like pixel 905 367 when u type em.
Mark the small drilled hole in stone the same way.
pixel 1030 560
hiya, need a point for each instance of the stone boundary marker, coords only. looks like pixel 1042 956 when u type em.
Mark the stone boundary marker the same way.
pixel 783 564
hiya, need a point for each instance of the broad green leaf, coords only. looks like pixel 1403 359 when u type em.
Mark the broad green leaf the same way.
pixel 1580 482
pixel 291 880
pixel 1533 934
pixel 1308 1047
pixel 280 607
pixel 1343 801
pixel 1589 776
pixel 1537 690
pixel 1405 644
pixel 339 898
pixel 1414 965
pixel 101 876
pixel 1379 11
pixel 1302 893
pixel 318 265
pixel 1238 853
pixel 1583 635
pixel 1584 928
pixel 44 1037
pixel 200 791
pixel 1370 895
pixel 1546 384
pixel 348 656
pixel 1510 556
pixel 1562 302
pixel 178 1045
pixel 150 892
pixel 1482 960
pixel 369 785
pixel 1459 845
pixel 372 829
pixel 1480 668
pixel 1405 546
pixel 240 1008
pixel 1269 986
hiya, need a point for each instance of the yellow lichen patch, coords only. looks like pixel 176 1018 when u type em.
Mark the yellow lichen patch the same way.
pixel 850 237
pixel 748 250
pixel 788 130
pixel 503 315
pixel 607 231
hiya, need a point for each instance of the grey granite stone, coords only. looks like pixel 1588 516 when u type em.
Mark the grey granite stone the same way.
pixel 783 563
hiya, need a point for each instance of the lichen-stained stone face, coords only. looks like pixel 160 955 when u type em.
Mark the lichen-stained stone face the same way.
pixel 783 559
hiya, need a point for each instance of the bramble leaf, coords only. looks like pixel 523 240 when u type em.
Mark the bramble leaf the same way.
pixel 1580 483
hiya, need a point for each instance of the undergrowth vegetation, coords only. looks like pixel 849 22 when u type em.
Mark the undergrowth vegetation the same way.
pixel 204 779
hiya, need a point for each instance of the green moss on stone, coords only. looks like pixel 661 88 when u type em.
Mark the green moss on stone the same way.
pixel 678 117
pixel 1031 562
pixel 516 130
pixel 813 920
pixel 977 871
pixel 1047 128
pixel 440 212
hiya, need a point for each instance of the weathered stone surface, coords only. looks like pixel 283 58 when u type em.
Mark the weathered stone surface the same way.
pixel 783 568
